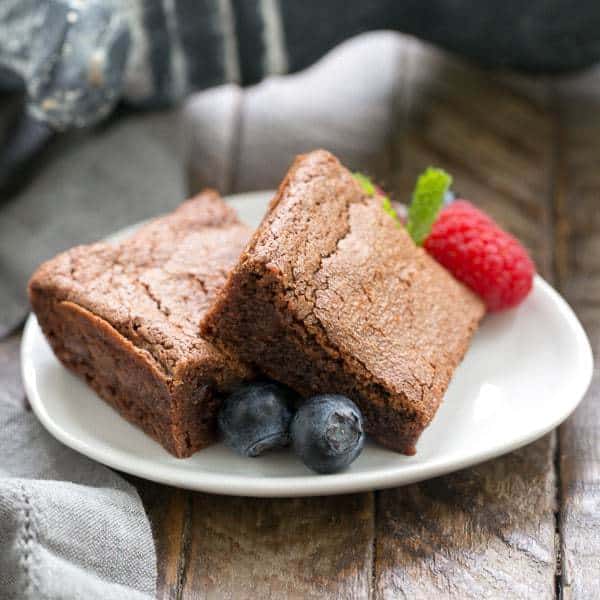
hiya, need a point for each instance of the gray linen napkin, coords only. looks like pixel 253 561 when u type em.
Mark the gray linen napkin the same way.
pixel 70 528
pixel 91 184
pixel 239 139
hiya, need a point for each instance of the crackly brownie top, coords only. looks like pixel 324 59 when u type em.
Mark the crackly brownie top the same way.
pixel 359 284
pixel 154 287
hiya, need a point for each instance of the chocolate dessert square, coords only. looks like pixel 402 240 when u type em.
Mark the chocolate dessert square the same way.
pixel 331 295
pixel 125 317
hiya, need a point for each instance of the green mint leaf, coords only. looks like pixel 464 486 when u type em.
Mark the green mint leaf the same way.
pixel 427 200
pixel 389 209
pixel 365 183
pixel 370 189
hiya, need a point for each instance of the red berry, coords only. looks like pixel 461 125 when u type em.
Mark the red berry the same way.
pixel 482 255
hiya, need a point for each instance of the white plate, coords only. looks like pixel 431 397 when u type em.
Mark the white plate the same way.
pixel 526 371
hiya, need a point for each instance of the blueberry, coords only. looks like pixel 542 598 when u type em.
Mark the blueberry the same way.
pixel 327 433
pixel 256 417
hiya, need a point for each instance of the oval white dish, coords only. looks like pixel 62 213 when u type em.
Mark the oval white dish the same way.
pixel 526 371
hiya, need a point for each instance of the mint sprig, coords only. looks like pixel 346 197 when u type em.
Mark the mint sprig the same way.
pixel 427 200
pixel 365 183
pixel 370 190
pixel 389 209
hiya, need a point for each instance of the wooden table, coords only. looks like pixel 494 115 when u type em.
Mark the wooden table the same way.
pixel 526 525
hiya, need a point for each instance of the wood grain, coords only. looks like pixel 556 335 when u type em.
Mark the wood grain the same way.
pixel 577 203
pixel 486 532
pixel 169 514
pixel 246 548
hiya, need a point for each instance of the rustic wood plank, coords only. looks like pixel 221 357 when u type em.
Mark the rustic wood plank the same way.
pixel 485 532
pixel 169 514
pixel 283 548
pixel 577 204
pixel 468 121
pixel 488 531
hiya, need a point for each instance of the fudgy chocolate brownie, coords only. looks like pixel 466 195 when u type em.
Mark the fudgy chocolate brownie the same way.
pixel 332 295
pixel 125 317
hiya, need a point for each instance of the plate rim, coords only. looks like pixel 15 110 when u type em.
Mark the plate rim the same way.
pixel 309 484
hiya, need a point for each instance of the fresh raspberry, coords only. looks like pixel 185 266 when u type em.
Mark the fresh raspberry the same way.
pixel 480 254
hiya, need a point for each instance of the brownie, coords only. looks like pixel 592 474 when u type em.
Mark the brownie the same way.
pixel 125 317
pixel 331 295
